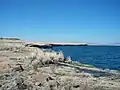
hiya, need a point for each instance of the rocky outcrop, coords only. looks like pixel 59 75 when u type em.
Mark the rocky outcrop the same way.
pixel 9 38
pixel 68 60
pixel 55 44
pixel 31 68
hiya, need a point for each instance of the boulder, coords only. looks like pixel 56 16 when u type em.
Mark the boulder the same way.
pixel 68 60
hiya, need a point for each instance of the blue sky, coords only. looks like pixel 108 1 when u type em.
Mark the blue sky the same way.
pixel 93 21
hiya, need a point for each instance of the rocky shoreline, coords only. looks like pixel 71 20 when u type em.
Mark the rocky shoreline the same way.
pixel 24 67
pixel 52 44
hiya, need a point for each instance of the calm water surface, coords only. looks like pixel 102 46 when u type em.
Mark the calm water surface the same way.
pixel 106 57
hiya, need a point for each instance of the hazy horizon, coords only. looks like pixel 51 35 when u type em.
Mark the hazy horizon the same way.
pixel 88 21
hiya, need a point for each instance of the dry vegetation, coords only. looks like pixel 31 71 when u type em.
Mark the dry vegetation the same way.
pixel 30 68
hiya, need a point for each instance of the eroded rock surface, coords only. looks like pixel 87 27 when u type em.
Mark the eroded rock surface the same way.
pixel 30 68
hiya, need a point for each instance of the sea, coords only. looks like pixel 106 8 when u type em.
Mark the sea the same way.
pixel 104 57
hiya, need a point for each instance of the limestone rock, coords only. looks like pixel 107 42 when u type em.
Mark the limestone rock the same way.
pixel 31 68
pixel 68 60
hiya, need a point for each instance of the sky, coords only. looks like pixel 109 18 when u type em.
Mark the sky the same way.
pixel 91 21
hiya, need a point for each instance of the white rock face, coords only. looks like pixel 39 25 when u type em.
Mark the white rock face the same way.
pixel 68 60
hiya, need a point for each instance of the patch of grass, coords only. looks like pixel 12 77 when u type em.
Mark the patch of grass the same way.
pixel 88 65
pixel 75 63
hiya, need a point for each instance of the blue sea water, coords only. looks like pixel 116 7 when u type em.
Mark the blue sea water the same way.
pixel 105 57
